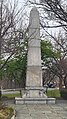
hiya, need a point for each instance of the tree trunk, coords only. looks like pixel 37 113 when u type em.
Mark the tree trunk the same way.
pixel 65 82
pixel 60 83
pixel 0 93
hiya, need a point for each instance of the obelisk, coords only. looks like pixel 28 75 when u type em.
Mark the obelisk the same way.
pixel 34 92
pixel 34 71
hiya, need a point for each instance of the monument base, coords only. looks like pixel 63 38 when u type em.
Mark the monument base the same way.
pixel 34 92
pixel 35 100
pixel 35 95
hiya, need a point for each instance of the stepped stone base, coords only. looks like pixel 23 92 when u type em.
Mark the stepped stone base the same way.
pixel 34 95
pixel 35 100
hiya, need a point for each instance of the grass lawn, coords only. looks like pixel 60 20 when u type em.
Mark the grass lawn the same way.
pixel 50 93
pixel 53 93
pixel 11 96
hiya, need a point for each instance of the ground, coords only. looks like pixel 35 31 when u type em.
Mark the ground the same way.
pixel 44 111
pixel 54 111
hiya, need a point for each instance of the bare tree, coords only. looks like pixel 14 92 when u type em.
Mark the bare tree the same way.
pixel 11 29
pixel 10 16
pixel 56 11
pixel 59 62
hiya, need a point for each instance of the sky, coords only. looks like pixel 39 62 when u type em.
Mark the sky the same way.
pixel 27 10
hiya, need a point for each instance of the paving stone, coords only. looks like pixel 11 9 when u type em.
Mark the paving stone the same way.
pixel 64 117
pixel 54 118
pixel 65 108
pixel 56 107
pixel 34 112
pixel 57 111
pixel 23 117
pixel 52 115
pixel 61 112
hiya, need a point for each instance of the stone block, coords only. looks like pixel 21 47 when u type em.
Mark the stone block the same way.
pixel 35 100
pixel 51 100
pixel 34 76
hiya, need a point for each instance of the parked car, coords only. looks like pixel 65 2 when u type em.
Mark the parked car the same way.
pixel 50 85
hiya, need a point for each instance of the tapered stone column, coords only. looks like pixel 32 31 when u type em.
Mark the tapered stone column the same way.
pixel 34 92
pixel 34 71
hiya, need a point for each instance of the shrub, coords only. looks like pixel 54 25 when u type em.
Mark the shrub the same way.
pixel 5 112
pixel 63 93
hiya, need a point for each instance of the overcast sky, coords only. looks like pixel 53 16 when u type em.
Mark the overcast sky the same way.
pixel 22 3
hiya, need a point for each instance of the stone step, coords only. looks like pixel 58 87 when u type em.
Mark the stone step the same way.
pixel 35 100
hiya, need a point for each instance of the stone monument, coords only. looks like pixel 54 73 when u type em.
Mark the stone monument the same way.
pixel 34 70
pixel 34 91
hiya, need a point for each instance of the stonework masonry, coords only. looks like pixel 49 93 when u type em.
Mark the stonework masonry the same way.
pixel 34 91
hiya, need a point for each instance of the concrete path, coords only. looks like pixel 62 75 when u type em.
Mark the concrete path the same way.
pixel 57 111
